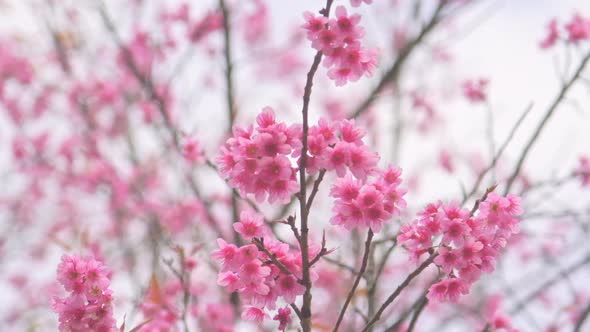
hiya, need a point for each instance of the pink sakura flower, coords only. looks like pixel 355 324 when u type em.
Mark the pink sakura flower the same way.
pixel 208 24
pixel 454 231
pixel 356 3
pixel 339 40
pixel 289 288
pixel 445 161
pixel 256 160
pixel 345 26
pixel 447 290
pixel 256 23
pixel 251 225
pixel 89 305
pixel 447 259
pixel 367 204
pixel 253 271
pixel 578 29
pixel 583 171
pixel 254 314
pixel 192 150
pixel 468 245
pixel 71 272
pixel 247 253
pixel 283 316
pixel 474 90
pixel 230 280
pixel 314 25
pixel 337 158
pixel 552 35
pixel 227 254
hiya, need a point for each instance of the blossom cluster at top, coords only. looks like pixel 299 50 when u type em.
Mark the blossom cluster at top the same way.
pixel 88 307
pixel 469 245
pixel 368 204
pixel 252 271
pixel 577 30
pixel 339 39
pixel 257 160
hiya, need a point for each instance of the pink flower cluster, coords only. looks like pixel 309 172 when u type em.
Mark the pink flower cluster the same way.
pixel 250 271
pixel 339 147
pixel 13 66
pixel 339 40
pixel 475 90
pixel 192 150
pixel 368 204
pixel 89 304
pixel 583 171
pixel 577 29
pixel 469 245
pixel 158 306
pixel 256 160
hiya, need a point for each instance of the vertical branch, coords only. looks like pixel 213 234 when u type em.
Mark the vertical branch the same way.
pixel 356 281
pixel 304 245
pixel 231 116
pixel 229 95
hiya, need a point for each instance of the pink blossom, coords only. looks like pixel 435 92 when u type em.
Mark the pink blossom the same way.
pixel 356 3
pixel 256 161
pixel 250 225
pixel 192 150
pixel 578 29
pixel 289 288
pixel 89 305
pixel 474 90
pixel 283 316
pixel 468 246
pixel 367 204
pixel 583 171
pixel 339 40
pixel 552 35
pixel 254 314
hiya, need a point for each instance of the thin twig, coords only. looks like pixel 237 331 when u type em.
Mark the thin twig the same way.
pixel 398 290
pixel 357 280
pixel 392 74
pixel 499 153
pixel 558 99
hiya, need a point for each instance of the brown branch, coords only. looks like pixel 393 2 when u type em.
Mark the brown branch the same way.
pixel 230 99
pixel 315 189
pixel 304 245
pixel 499 153
pixel 421 305
pixel 582 318
pixel 398 291
pixel 273 258
pixel 357 280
